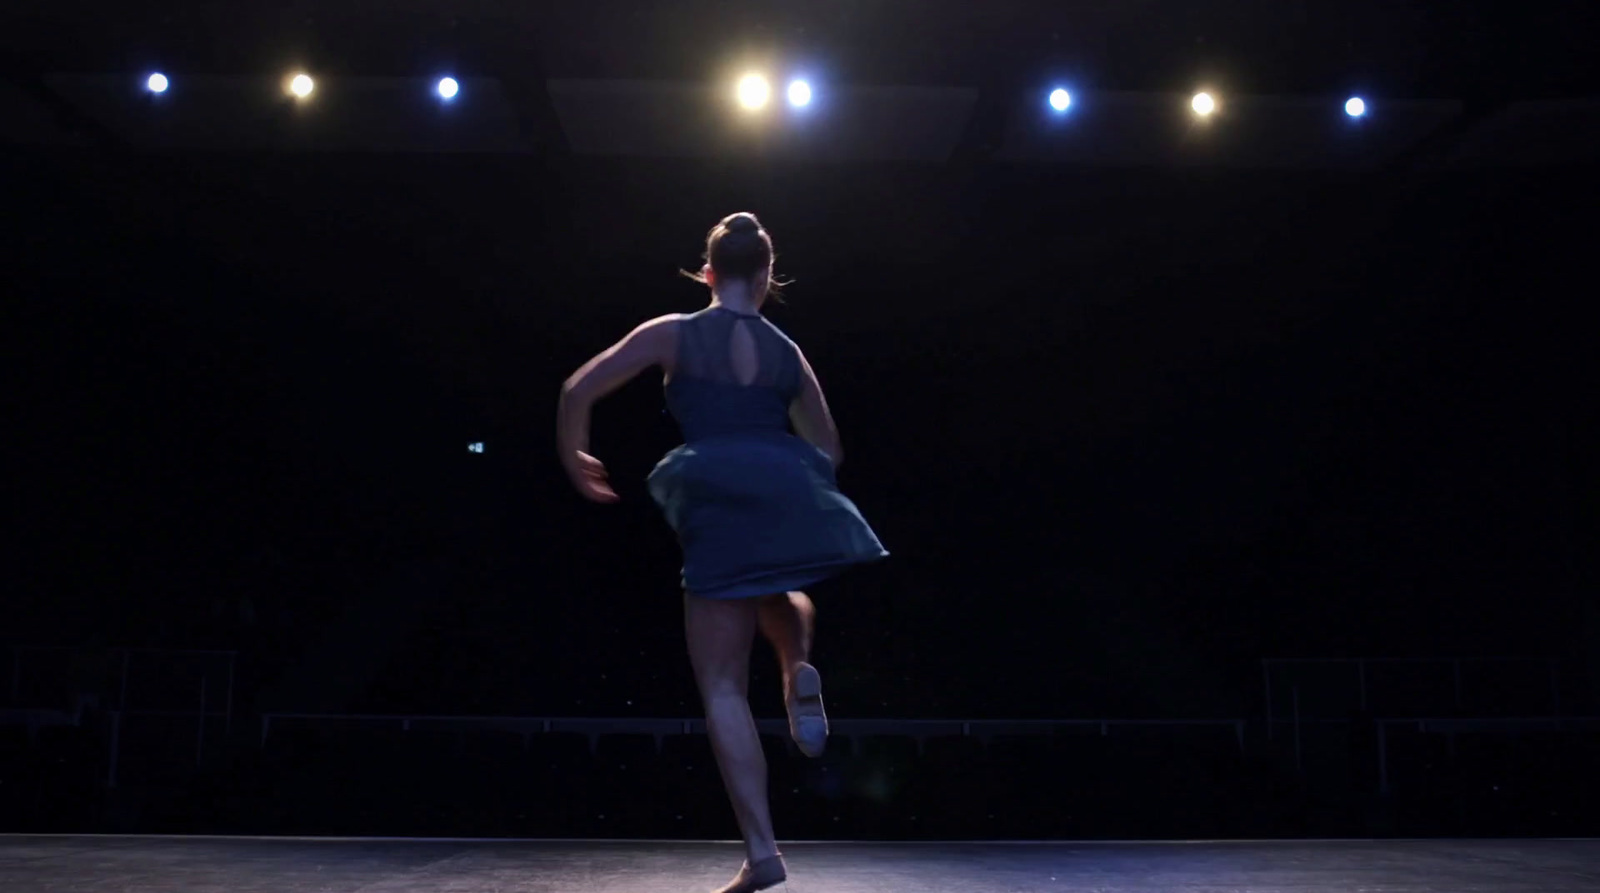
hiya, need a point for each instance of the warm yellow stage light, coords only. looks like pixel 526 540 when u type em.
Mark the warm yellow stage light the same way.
pixel 754 91
pixel 1203 104
pixel 301 85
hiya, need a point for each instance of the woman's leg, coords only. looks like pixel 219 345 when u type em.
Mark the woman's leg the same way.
pixel 787 621
pixel 720 635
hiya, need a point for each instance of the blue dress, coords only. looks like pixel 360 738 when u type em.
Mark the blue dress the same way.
pixel 756 509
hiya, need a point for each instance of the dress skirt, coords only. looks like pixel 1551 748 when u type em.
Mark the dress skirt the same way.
pixel 759 514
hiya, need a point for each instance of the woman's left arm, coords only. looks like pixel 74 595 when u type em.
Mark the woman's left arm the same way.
pixel 654 343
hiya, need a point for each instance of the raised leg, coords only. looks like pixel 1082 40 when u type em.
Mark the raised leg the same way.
pixel 788 622
pixel 720 636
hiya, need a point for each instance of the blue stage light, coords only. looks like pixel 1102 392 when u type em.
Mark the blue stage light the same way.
pixel 157 83
pixel 799 93
pixel 448 88
pixel 1355 107
pixel 1060 100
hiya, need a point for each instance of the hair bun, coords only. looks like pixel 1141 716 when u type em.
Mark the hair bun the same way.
pixel 743 222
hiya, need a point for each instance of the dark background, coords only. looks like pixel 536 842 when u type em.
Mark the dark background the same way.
pixel 1123 442
pixel 1127 430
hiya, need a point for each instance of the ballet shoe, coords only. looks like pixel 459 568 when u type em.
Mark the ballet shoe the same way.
pixel 808 722
pixel 769 872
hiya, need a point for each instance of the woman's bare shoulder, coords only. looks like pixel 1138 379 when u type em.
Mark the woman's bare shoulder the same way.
pixel 659 337
pixel 660 326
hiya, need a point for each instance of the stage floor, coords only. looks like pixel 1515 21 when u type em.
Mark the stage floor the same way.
pixel 301 865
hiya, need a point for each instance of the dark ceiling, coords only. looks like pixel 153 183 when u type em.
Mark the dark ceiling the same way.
pixel 1464 84
pixel 1456 49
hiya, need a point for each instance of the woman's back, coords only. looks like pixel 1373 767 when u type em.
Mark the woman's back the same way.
pixel 735 374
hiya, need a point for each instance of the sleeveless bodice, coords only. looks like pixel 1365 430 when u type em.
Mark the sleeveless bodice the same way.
pixel 706 395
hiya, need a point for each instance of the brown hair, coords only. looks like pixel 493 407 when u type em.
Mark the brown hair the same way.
pixel 739 247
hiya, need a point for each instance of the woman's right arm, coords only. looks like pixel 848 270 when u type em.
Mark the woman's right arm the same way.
pixel 810 416
pixel 653 344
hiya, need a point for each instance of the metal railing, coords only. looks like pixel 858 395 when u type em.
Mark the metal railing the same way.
pixel 1360 692
pixel 1449 728
pixel 216 680
pixel 125 663
pixel 1361 688
pixel 919 729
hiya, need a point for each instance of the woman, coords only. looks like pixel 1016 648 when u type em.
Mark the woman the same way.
pixel 756 508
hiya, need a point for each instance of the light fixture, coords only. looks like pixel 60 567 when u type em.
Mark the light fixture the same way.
pixel 754 91
pixel 799 93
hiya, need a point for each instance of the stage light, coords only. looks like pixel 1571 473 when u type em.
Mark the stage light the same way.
pixel 301 85
pixel 1355 107
pixel 754 91
pixel 157 83
pixel 448 88
pixel 799 94
pixel 1203 104
pixel 1060 100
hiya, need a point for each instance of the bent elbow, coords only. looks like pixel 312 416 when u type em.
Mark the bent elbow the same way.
pixel 573 391
pixel 574 400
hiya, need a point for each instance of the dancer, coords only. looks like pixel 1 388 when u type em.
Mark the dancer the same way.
pixel 753 499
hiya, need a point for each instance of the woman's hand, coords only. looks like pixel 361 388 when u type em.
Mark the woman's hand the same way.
pixel 589 476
